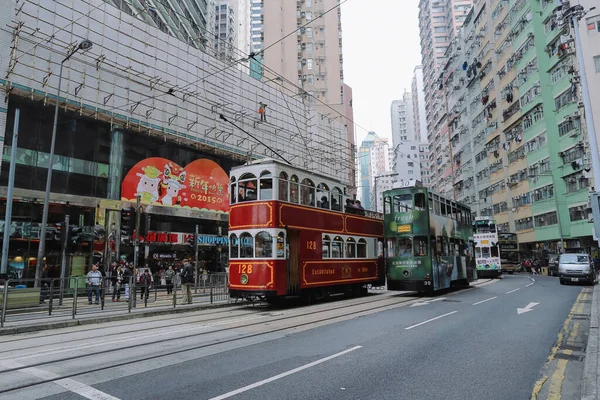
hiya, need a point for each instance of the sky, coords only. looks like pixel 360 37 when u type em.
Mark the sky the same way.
pixel 381 49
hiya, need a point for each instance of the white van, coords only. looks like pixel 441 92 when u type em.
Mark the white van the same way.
pixel 576 267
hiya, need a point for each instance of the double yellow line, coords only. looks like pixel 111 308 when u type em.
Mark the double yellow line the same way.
pixel 557 378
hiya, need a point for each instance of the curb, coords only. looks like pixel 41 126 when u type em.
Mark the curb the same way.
pixel 121 317
pixel 591 368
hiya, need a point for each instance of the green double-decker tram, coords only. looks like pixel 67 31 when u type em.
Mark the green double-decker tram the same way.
pixel 428 240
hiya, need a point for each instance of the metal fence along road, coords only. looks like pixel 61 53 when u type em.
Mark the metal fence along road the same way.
pixel 23 300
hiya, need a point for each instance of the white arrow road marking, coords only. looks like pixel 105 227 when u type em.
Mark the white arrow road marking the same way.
pixel 424 303
pixel 528 307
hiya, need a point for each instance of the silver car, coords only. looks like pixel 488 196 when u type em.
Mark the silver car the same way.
pixel 576 267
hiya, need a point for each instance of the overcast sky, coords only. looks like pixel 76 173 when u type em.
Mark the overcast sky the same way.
pixel 381 49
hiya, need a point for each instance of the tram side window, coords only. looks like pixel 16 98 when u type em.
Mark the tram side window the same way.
pixel 337 247
pixel 436 205
pixel 361 248
pixel 294 195
pixel 350 248
pixel 234 250
pixel 387 205
pixel 391 247
pixel 420 244
pixel 307 192
pixel 233 191
pixel 266 186
pixel 323 196
pixel 495 251
pixel 402 202
pixel 264 245
pixel 443 207
pixel 430 204
pixel 247 188
pixel 404 247
pixel 443 246
pixel 281 245
pixel 336 199
pixel 420 201
pixel 283 187
pixel 326 247
pixel 454 214
pixel 246 245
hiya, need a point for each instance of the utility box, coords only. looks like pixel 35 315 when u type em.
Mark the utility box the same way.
pixel 595 200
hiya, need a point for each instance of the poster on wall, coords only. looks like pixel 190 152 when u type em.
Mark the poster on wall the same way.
pixel 200 185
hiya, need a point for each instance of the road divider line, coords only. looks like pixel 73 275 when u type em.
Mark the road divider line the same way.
pixel 430 320
pixel 283 375
pixel 529 284
pixel 483 301
pixel 512 291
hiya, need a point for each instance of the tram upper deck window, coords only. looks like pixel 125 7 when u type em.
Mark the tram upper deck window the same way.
pixel 264 245
pixel 283 186
pixel 266 186
pixel 337 247
pixel 294 195
pixel 336 199
pixel 420 201
pixel 403 202
pixel 234 250
pixel 246 245
pixel 361 248
pixel 436 205
pixel 326 247
pixel 430 203
pixel 233 190
pixel 350 248
pixel 323 196
pixel 247 188
pixel 307 192
pixel 387 205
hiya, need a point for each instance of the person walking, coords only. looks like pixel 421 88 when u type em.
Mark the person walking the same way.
pixel 126 279
pixel 145 283
pixel 94 283
pixel 117 282
pixel 169 275
pixel 187 280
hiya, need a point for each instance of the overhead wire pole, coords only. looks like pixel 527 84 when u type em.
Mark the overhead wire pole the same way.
pixel 9 197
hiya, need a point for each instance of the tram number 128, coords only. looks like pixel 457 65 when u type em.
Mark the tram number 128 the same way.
pixel 245 269
pixel 311 245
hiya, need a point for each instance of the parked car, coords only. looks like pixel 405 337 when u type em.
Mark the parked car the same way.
pixel 553 264
pixel 576 268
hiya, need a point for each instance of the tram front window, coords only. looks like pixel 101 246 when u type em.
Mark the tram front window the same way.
pixel 391 247
pixel 264 245
pixel 266 186
pixel 283 187
pixel 246 245
pixel 420 246
pixel 247 188
pixel 404 247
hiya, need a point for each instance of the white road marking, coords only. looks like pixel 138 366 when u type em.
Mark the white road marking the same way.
pixel 424 303
pixel 483 301
pixel 528 307
pixel 429 320
pixel 283 375
pixel 70 384
pixel 512 291
pixel 529 284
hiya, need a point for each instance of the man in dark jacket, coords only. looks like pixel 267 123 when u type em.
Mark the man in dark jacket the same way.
pixel 187 280
pixel 116 278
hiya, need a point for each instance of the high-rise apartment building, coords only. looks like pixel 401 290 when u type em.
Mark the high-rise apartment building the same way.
pixel 402 116
pixel 191 21
pixel 311 58
pixel 374 159
pixel 511 140
pixel 225 31
pixel 418 103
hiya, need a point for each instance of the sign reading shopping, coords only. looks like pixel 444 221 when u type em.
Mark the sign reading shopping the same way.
pixel 200 185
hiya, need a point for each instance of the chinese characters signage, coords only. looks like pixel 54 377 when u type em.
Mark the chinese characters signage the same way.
pixel 201 185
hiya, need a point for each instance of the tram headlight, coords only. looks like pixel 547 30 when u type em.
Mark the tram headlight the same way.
pixel 244 279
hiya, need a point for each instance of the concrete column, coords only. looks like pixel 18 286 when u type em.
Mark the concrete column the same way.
pixel 115 174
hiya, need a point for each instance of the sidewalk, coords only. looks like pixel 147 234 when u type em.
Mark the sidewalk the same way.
pixel 591 370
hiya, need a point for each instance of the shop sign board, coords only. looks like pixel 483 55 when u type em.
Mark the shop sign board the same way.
pixel 201 185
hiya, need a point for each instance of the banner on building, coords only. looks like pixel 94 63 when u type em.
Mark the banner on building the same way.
pixel 201 185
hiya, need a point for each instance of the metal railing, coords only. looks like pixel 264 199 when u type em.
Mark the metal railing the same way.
pixel 54 298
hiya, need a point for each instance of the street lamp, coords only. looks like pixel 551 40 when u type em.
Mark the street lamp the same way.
pixel 83 45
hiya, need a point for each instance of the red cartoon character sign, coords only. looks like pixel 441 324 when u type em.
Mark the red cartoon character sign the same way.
pixel 201 185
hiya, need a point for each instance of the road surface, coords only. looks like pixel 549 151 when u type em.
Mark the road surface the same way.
pixel 492 341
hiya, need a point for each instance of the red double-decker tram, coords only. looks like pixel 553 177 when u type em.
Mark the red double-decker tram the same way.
pixel 290 234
